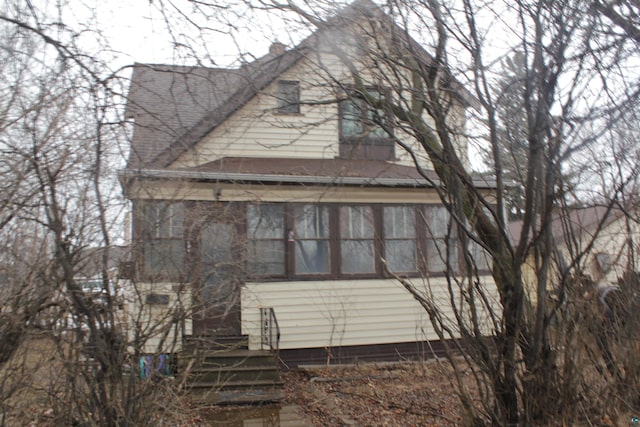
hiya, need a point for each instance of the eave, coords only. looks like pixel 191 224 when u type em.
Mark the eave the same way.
pixel 127 175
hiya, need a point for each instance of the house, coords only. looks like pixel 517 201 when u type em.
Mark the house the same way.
pixel 270 201
pixel 598 242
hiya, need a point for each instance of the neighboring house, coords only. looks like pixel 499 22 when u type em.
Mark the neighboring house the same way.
pixel 598 242
pixel 255 192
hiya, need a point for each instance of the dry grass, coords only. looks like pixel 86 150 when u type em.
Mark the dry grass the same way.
pixel 408 394
pixel 30 379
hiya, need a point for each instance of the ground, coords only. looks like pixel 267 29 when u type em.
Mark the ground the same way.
pixel 400 394
pixel 363 395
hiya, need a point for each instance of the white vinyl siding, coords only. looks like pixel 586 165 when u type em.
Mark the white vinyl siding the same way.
pixel 259 130
pixel 314 314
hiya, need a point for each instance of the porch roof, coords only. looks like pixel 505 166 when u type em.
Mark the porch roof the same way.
pixel 369 173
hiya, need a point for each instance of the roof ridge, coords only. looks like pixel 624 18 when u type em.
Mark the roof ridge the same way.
pixel 159 66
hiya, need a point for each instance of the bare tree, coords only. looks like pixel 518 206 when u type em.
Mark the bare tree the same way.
pixel 62 316
pixel 60 107
pixel 571 75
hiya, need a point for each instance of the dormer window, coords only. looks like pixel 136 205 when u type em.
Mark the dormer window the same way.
pixel 362 129
pixel 288 97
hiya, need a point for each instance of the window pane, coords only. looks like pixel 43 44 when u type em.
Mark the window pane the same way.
pixel 480 256
pixel 375 118
pixel 351 119
pixel 311 239
pixel 356 232
pixel 356 222
pixel 438 220
pixel 176 218
pixel 164 258
pixel 265 222
pixel 266 257
pixel 399 222
pixel 399 233
pixel 288 97
pixel 265 234
pixel 312 222
pixel 312 256
pixel 437 255
pixel 357 256
pixel 216 244
pixel 401 255
pixel 361 120
pixel 164 220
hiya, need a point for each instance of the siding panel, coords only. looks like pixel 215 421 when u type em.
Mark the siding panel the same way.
pixel 340 313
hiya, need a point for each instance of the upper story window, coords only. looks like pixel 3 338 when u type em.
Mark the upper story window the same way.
pixel 362 129
pixel 164 244
pixel 288 97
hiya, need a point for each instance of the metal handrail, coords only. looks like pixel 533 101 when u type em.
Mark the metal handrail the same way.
pixel 270 326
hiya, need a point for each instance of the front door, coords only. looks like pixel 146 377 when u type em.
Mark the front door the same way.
pixel 217 310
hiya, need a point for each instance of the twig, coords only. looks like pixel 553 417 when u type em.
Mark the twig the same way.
pixel 433 411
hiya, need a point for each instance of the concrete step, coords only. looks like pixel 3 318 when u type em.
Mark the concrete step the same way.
pixel 250 396
pixel 259 416
pixel 234 385
pixel 194 343
pixel 234 373
pixel 232 377
pixel 236 357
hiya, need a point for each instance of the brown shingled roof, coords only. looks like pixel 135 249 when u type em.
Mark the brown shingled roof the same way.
pixel 174 107
pixel 574 222
pixel 312 167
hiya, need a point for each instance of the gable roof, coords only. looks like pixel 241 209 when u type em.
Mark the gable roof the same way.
pixel 569 225
pixel 174 107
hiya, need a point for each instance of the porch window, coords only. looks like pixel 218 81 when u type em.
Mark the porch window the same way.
pixel 362 129
pixel 164 247
pixel 265 235
pixel 332 241
pixel 400 239
pixel 288 97
pixel 311 239
pixel 357 239
pixel 442 243
pixel 480 256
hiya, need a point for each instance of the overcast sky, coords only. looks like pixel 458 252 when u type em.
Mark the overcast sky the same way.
pixel 137 31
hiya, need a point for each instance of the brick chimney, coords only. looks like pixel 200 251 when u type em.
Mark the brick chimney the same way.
pixel 277 48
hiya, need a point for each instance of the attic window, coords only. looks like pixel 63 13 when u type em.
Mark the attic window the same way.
pixel 288 97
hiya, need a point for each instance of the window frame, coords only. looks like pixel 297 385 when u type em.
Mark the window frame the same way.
pixel 373 238
pixel 294 240
pixel 286 105
pixel 364 146
pixel 275 239
pixel 335 238
pixel 173 240
pixel 448 238
pixel 415 239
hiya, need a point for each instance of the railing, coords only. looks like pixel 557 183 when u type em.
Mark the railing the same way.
pixel 270 329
